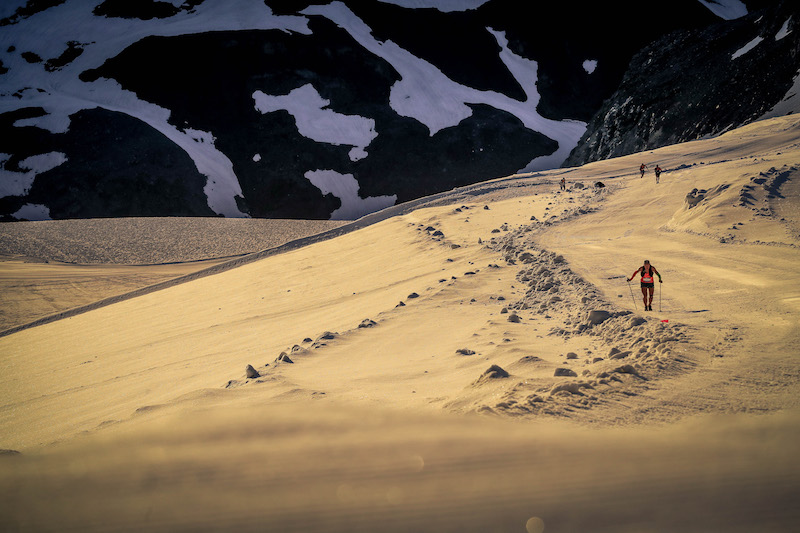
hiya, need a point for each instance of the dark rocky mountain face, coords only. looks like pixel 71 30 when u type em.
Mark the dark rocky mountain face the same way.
pixel 232 66
pixel 696 83
pixel 302 110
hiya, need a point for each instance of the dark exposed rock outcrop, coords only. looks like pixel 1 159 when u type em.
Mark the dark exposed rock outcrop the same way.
pixel 695 83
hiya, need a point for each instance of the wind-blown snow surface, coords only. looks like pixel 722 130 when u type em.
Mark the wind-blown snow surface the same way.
pixel 423 92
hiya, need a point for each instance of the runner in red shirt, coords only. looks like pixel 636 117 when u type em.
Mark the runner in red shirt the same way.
pixel 648 286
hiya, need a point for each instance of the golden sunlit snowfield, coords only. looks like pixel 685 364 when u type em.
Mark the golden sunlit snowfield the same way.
pixel 475 361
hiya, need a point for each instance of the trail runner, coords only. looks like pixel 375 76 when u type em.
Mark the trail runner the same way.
pixel 648 286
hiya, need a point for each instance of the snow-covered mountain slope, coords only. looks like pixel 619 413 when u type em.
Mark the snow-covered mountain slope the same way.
pixel 298 109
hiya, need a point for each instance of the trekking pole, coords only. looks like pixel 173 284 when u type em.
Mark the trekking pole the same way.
pixel 633 298
pixel 659 296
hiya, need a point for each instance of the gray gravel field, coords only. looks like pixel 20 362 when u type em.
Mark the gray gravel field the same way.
pixel 148 241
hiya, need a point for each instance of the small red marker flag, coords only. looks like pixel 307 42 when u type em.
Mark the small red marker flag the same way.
pixel 665 320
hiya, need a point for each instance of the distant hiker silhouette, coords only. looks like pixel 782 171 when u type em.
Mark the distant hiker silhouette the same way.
pixel 658 173
pixel 563 184
pixel 642 168
pixel 648 286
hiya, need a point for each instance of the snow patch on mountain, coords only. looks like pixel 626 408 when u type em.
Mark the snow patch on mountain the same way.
pixel 441 5
pixel 746 48
pixel 32 212
pixel 43 162
pixel 9 7
pixel 784 31
pixel 19 183
pixel 790 104
pixel 726 9
pixel 318 123
pixel 345 187
pixel 199 136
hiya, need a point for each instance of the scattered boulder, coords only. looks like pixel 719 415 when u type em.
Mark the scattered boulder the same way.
pixel 320 342
pixel 572 355
pixel 283 358
pixel 544 286
pixel 572 388
pixel 413 295
pixel 367 323
pixel 9 452
pixel 597 316
pixel 495 372
pixel 626 369
pixel 636 321
pixel 465 351
pixel 695 197
pixel 565 372
pixel 514 317
pixel 251 372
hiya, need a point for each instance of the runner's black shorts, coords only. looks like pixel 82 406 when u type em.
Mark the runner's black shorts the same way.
pixel 648 285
